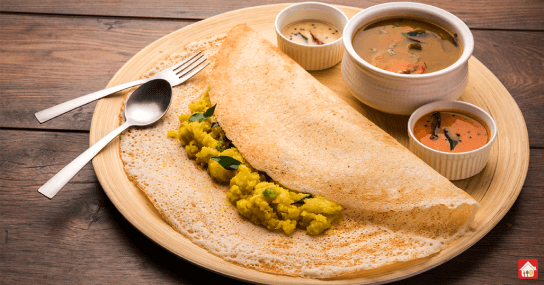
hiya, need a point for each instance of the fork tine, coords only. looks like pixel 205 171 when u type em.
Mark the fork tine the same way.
pixel 177 65
pixel 187 65
pixel 189 68
pixel 194 70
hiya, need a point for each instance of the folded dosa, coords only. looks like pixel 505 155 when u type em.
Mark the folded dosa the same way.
pixel 287 124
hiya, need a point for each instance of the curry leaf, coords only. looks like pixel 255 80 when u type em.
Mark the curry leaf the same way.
pixel 415 34
pixel 411 38
pixel 435 126
pixel 304 37
pixel 202 116
pixel 227 162
pixel 453 142
pixel 455 41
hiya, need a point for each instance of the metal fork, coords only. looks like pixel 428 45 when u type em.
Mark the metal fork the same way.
pixel 175 75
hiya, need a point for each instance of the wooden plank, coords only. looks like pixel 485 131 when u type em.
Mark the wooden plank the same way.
pixel 48 60
pixel 80 237
pixel 517 60
pixel 505 14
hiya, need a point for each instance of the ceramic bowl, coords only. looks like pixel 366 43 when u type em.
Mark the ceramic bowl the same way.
pixel 403 93
pixel 453 166
pixel 311 57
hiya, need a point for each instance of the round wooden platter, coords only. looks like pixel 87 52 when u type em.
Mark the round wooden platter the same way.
pixel 495 188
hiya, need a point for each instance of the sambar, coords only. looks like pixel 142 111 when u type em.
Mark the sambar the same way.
pixel 407 46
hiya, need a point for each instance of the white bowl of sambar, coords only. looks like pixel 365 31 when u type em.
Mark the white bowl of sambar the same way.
pixel 400 56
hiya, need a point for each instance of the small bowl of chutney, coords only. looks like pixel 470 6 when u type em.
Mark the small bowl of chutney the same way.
pixel 453 137
pixel 311 34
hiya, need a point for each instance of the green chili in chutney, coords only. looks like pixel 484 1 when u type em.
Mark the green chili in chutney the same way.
pixel 407 46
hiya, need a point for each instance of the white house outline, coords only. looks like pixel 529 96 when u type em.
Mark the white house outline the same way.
pixel 526 267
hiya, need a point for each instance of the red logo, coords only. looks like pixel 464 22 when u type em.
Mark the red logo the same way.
pixel 528 269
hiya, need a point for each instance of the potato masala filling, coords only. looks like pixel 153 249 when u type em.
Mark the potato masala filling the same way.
pixel 254 194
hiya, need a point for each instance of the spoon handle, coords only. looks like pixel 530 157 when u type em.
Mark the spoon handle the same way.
pixel 57 110
pixel 53 186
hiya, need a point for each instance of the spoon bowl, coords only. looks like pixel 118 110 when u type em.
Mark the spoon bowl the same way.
pixel 148 103
pixel 145 106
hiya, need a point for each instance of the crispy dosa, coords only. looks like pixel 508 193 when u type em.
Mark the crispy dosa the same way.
pixel 284 122
pixel 289 125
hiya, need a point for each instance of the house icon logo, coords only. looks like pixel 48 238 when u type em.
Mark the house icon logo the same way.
pixel 528 269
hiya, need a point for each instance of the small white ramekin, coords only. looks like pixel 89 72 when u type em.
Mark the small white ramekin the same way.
pixel 312 57
pixel 403 93
pixel 453 166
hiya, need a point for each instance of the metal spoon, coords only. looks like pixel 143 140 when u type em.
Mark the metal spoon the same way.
pixel 145 106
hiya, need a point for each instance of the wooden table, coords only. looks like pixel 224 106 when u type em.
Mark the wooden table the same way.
pixel 52 51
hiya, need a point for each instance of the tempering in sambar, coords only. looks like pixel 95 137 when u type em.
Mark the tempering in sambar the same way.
pixel 407 46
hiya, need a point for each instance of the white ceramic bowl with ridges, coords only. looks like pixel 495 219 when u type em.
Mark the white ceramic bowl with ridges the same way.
pixel 312 57
pixel 454 166
pixel 403 93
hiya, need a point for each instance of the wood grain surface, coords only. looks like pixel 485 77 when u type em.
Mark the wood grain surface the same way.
pixel 52 51
pixel 50 60
pixel 504 14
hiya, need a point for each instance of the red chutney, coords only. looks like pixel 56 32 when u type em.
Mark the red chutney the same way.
pixel 450 132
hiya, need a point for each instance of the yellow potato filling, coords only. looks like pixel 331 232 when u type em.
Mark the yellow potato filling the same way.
pixel 255 196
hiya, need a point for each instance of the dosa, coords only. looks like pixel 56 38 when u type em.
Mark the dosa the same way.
pixel 286 123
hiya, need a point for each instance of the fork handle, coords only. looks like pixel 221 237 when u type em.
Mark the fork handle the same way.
pixel 52 112
pixel 57 182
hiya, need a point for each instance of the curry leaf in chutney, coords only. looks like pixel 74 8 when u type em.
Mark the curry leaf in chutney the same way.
pixel 435 126
pixel 227 162
pixel 453 142
pixel 303 36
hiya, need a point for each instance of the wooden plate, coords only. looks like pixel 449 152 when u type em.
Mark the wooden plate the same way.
pixel 496 188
